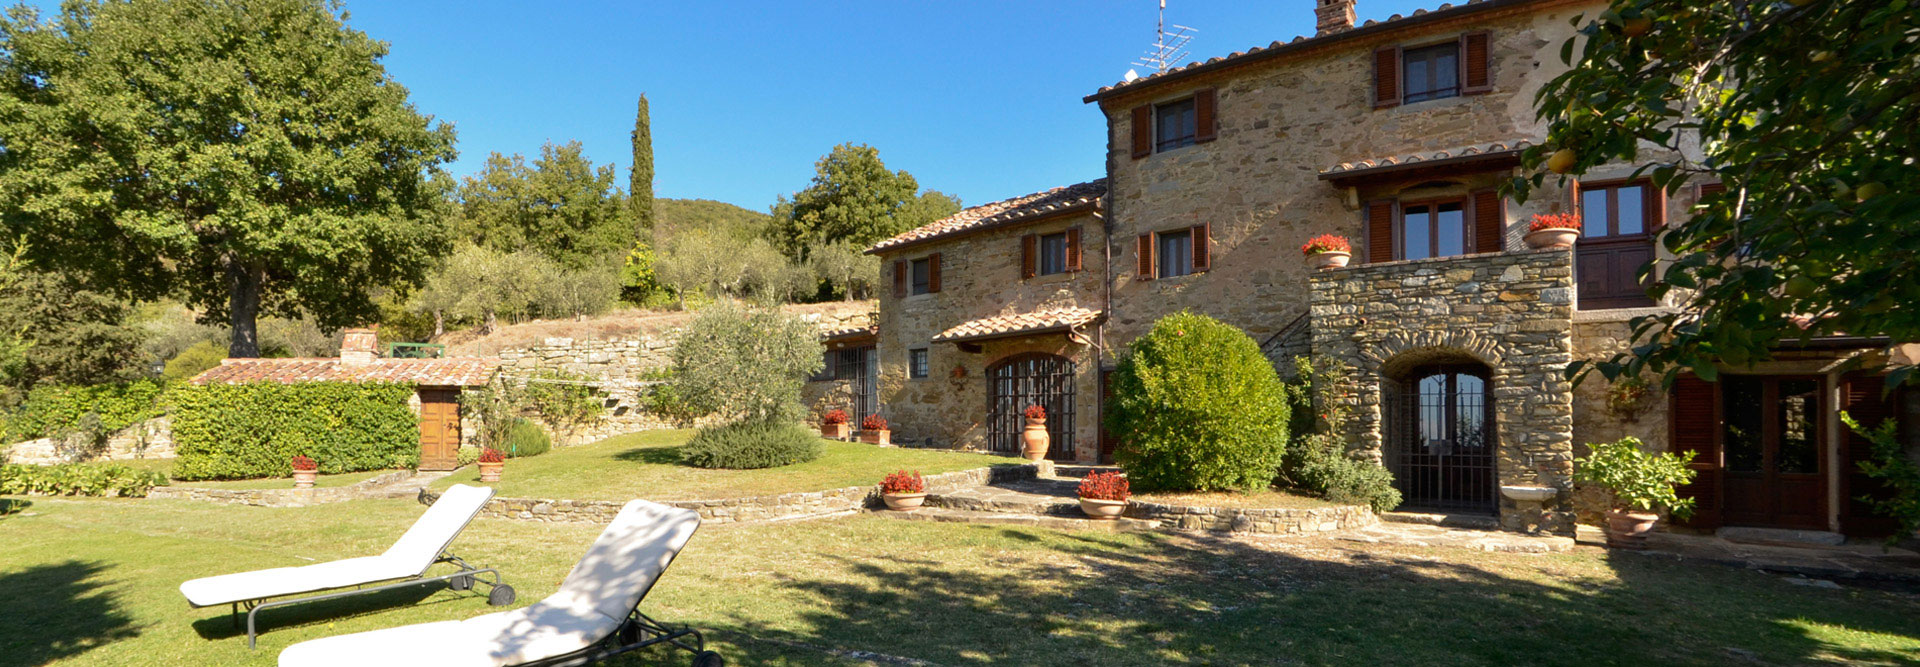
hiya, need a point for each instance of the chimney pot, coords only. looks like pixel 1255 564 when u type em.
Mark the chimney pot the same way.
pixel 357 347
pixel 1333 16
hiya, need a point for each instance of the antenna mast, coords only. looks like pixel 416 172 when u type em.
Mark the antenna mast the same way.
pixel 1169 44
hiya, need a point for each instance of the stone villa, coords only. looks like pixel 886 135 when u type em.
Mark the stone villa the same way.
pixel 1395 134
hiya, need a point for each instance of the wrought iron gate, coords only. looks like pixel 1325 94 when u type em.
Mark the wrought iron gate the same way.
pixel 857 367
pixel 1440 439
pixel 1031 379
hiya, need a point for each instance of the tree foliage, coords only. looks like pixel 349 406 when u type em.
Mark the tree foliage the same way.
pixel 1806 112
pixel 854 199
pixel 1198 407
pixel 562 206
pixel 746 364
pixel 251 155
pixel 74 336
pixel 846 270
pixel 640 182
pixel 711 267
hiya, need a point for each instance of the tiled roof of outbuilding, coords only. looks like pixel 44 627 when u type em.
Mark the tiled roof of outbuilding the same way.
pixel 454 372
pixel 1006 211
pixel 998 326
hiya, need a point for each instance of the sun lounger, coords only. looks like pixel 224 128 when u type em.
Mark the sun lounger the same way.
pixel 594 616
pixel 404 564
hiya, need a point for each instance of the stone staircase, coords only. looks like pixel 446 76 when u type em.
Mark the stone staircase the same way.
pixel 1048 502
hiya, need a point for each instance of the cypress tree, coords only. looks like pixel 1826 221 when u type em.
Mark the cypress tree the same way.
pixel 640 189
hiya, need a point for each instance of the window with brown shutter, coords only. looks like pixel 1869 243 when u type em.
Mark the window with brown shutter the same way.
pixel 1027 250
pixel 1142 131
pixel 899 278
pixel 1706 190
pixel 1380 231
pixel 1619 223
pixel 1489 220
pixel 1202 248
pixel 1073 249
pixel 1205 124
pixel 1864 398
pixel 1386 77
pixel 1476 63
pixel 933 273
pixel 1143 257
pixel 1695 426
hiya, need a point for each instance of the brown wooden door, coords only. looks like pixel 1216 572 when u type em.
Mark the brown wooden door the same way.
pixel 1864 397
pixel 1774 452
pixel 439 429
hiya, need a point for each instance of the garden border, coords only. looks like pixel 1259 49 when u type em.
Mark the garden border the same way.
pixel 1265 521
pixel 283 497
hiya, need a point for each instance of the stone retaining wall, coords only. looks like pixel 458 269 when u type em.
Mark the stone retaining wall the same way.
pixel 150 439
pixel 781 507
pixel 1266 521
pixel 288 497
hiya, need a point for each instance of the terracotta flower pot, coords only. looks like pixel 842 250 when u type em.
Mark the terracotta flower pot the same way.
pixel 303 479
pixel 882 437
pixel 835 431
pixel 1332 259
pixel 904 502
pixel 1037 439
pixel 1552 238
pixel 490 472
pixel 1104 510
pixel 1627 529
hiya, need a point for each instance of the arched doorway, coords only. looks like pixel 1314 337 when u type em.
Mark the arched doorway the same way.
pixel 1440 437
pixel 1027 379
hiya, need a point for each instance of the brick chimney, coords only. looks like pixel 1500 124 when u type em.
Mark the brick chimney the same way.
pixel 1334 16
pixel 357 347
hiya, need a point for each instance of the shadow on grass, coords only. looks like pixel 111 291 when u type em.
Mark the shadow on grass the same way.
pixel 13 506
pixel 228 625
pixel 1185 599
pixel 49 612
pixel 656 455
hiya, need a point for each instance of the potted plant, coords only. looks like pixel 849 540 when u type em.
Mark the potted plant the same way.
pixel 305 470
pixel 1035 436
pixel 904 491
pixel 873 431
pixel 491 462
pixel 834 424
pixel 1327 251
pixel 1553 230
pixel 1642 486
pixel 1103 495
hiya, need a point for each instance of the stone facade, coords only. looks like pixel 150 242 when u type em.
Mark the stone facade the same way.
pixel 151 439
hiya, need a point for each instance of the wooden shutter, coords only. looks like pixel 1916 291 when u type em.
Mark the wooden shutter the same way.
pixel 1143 256
pixel 899 278
pixel 1863 397
pixel 1205 123
pixel 1709 189
pixel 1028 256
pixel 1656 200
pixel 1573 201
pixel 1142 131
pixel 1073 249
pixel 1202 247
pixel 1386 77
pixel 933 273
pixel 1476 63
pixel 1489 220
pixel 1694 425
pixel 1380 231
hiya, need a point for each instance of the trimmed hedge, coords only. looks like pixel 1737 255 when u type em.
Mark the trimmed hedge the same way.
pixel 245 431
pixel 1199 407
pixel 748 445
pixel 54 410
pixel 78 479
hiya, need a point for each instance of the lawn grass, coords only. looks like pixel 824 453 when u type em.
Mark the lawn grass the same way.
pixel 165 467
pixel 647 465
pixel 94 582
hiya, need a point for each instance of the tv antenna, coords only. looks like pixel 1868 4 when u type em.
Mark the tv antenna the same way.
pixel 1169 44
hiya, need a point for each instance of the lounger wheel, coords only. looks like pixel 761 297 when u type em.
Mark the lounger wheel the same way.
pixel 500 596
pixel 460 583
pixel 708 659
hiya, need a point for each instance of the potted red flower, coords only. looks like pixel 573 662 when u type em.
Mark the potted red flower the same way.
pixel 873 431
pixel 834 424
pixel 1553 230
pixel 1035 435
pixel 1327 251
pixel 491 463
pixel 1103 495
pixel 904 491
pixel 305 471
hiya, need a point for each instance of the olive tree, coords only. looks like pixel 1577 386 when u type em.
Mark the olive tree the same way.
pixel 746 364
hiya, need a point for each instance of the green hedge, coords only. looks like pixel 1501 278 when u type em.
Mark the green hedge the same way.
pixel 78 479
pixel 525 438
pixel 245 431
pixel 57 409
pixel 752 444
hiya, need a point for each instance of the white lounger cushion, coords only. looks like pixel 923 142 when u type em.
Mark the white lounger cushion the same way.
pixel 623 563
pixel 429 536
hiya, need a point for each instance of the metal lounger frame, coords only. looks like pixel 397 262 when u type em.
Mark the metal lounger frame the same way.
pixel 643 631
pixel 254 606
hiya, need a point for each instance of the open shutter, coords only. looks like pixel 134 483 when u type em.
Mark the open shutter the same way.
pixel 1489 220
pixel 1386 77
pixel 1573 199
pixel 1204 121
pixel 1476 63
pixel 1862 396
pixel 1380 231
pixel 899 278
pixel 1695 426
pixel 1073 249
pixel 1143 255
pixel 933 272
pixel 1028 255
pixel 1656 200
pixel 1202 247
pixel 1710 189
pixel 1142 131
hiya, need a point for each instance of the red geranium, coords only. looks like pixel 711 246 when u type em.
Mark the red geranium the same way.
pixel 874 422
pixel 1326 243
pixel 903 482
pixel 834 416
pixel 1035 412
pixel 491 455
pixel 1554 221
pixel 1105 486
pixel 305 464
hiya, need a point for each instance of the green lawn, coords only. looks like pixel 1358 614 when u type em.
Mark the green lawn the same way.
pixel 94 582
pixel 647 465
pixel 165 467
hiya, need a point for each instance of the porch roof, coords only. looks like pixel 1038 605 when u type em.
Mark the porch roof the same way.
pixel 1483 157
pixel 1006 212
pixel 1019 324
pixel 850 337
pixel 452 372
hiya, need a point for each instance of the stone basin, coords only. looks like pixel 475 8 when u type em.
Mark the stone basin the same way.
pixel 1536 494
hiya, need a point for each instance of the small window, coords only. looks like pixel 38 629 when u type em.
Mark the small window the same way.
pixel 1176 125
pixel 1053 254
pixel 1620 210
pixel 1433 229
pixel 829 363
pixel 921 276
pixel 1431 72
pixel 917 363
pixel 1176 253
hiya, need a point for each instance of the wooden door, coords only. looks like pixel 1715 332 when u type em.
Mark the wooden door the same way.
pixel 1774 448
pixel 1695 423
pixel 439 429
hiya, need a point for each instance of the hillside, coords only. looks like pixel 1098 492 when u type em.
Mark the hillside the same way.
pixel 628 322
pixel 674 215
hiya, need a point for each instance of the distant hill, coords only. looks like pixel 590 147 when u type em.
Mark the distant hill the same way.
pixel 674 215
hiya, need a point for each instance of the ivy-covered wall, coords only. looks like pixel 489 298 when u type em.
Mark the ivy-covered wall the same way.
pixel 242 431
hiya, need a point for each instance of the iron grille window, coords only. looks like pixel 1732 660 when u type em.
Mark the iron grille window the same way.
pixel 1432 72
pixel 1053 254
pixel 1176 125
pixel 1433 229
pixel 922 276
pixel 917 363
pixel 1176 253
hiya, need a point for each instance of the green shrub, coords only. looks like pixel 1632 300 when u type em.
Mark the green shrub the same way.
pixel 466 455
pixel 243 431
pixel 1318 460
pixel 748 445
pixel 525 438
pixel 746 365
pixel 78 479
pixel 1638 479
pixel 52 410
pixel 192 361
pixel 1896 472
pixel 568 401
pixel 1200 408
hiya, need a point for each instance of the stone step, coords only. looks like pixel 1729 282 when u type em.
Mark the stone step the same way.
pixel 1780 537
pixel 975 500
pixel 949 515
pixel 1476 521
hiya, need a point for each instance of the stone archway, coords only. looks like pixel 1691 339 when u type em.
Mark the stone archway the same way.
pixel 1438 431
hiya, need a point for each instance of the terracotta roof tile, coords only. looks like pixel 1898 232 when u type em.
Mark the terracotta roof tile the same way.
pixel 1019 323
pixel 457 371
pixel 1496 148
pixel 1005 211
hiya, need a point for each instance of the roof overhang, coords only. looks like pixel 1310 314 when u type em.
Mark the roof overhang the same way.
pixel 1424 169
pixel 1060 321
pixel 1017 221
pixel 845 338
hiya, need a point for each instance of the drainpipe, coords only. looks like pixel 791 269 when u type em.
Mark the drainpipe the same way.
pixel 1100 328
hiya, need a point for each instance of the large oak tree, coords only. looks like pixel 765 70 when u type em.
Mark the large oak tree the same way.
pixel 249 155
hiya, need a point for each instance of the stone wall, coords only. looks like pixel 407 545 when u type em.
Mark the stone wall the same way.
pixel 1511 312
pixel 287 497
pixel 1261 521
pixel 151 439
